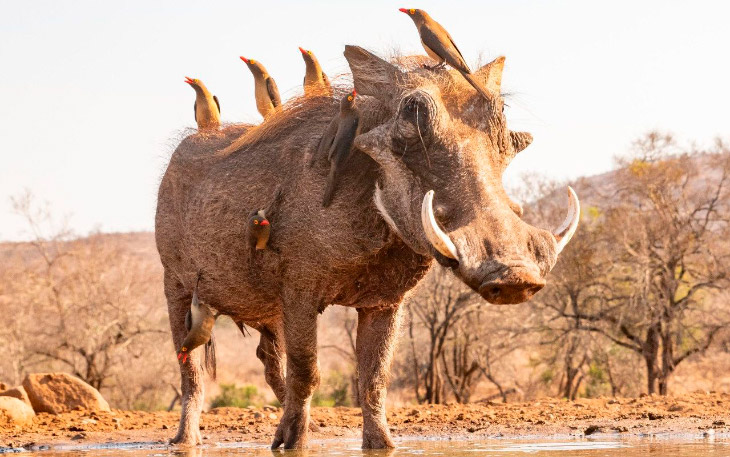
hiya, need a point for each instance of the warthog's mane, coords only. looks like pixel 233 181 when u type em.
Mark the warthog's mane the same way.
pixel 301 109
pixel 295 111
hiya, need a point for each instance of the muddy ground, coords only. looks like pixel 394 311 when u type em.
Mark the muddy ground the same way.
pixel 688 414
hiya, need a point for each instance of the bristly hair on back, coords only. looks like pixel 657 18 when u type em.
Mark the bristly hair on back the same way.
pixel 301 108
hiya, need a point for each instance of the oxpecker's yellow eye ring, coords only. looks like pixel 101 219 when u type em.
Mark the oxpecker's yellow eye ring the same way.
pixel 256 222
pixel 309 52
pixel 252 61
pixel 184 349
pixel 349 98
pixel 412 11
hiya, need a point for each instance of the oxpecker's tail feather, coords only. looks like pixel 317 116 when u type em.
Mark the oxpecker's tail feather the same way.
pixel 330 187
pixel 473 81
pixel 210 365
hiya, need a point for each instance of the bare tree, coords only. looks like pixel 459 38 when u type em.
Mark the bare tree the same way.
pixel 347 347
pixel 437 307
pixel 92 303
pixel 658 257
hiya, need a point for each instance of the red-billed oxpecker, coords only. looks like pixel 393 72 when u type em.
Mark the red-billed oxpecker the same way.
pixel 265 90
pixel 441 47
pixel 337 140
pixel 315 81
pixel 207 109
pixel 199 321
pixel 259 230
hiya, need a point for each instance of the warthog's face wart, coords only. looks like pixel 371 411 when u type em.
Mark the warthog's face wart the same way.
pixel 443 149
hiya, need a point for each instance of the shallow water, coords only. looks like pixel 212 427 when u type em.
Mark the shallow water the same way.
pixel 572 447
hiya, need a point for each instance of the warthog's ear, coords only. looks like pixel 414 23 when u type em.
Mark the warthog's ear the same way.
pixel 373 76
pixel 490 75
pixel 520 140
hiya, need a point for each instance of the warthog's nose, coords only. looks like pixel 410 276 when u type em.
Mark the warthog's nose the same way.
pixel 511 286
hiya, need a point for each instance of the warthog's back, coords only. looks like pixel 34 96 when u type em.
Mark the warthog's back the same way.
pixel 206 197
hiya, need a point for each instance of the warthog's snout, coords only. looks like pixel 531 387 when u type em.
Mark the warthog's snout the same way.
pixel 511 285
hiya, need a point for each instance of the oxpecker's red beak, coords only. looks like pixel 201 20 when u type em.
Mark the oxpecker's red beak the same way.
pixel 354 93
pixel 403 10
pixel 189 80
pixel 304 51
pixel 265 222
pixel 244 59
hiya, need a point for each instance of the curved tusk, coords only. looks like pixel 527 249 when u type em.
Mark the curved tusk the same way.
pixel 434 234
pixel 565 232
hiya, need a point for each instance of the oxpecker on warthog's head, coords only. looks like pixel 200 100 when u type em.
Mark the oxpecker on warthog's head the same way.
pixel 442 150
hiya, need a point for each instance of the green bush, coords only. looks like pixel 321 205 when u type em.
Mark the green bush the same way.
pixel 335 391
pixel 239 397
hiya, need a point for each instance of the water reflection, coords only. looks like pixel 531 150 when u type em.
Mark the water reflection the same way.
pixel 579 447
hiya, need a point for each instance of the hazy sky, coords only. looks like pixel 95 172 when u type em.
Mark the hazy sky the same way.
pixel 93 96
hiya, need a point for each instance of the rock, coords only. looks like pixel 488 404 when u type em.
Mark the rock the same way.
pixel 15 411
pixel 17 392
pixel 654 416
pixel 57 393
pixel 591 430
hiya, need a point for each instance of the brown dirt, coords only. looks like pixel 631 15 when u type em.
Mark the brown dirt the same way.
pixel 686 414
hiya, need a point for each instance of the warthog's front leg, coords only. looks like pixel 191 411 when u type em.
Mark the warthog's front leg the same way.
pixel 302 373
pixel 376 333
pixel 191 372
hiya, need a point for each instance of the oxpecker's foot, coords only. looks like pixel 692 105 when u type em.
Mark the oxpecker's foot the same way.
pixel 187 437
pixel 292 430
pixel 435 67
pixel 376 437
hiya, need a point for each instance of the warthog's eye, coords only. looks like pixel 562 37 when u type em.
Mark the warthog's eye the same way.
pixel 417 112
pixel 414 129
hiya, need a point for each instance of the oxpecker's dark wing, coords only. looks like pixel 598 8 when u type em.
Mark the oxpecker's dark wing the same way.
pixel 217 103
pixel 458 51
pixel 440 42
pixel 188 321
pixel 327 138
pixel 342 143
pixel 339 153
pixel 273 91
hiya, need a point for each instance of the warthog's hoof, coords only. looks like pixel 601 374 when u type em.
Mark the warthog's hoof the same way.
pixel 376 439
pixel 187 437
pixel 292 430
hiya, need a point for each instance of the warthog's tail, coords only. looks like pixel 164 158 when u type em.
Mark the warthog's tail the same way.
pixel 209 363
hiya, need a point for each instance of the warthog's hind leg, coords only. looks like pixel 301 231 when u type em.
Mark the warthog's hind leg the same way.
pixel 302 373
pixel 376 333
pixel 191 372
pixel 271 353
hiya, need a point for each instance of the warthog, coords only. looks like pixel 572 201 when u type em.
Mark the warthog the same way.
pixel 424 183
